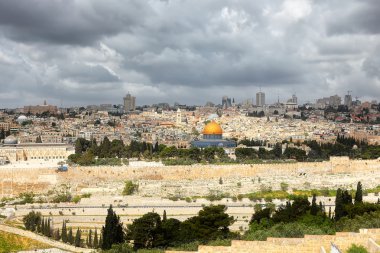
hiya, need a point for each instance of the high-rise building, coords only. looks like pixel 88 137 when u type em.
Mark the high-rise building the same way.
pixel 226 102
pixel 260 98
pixel 335 101
pixel 129 103
pixel 348 100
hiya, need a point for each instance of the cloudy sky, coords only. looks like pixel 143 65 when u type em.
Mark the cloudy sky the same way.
pixel 79 52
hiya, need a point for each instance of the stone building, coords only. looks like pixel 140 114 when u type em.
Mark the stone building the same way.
pixel 12 152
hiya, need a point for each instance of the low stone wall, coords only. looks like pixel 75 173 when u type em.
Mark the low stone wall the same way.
pixel 308 244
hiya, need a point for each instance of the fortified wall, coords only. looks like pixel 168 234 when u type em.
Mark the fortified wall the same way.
pixel 339 171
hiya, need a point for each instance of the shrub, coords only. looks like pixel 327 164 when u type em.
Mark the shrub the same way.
pixel 31 220
pixel 284 186
pixel 129 188
pixel 357 249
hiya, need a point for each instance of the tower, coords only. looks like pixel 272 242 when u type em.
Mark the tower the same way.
pixel 129 103
pixel 226 102
pixel 348 99
pixel 179 117
pixel 260 98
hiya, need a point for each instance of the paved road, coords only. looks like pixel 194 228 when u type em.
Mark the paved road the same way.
pixel 42 239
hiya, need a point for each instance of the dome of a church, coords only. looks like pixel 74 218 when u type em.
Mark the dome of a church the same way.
pixel 10 140
pixel 21 119
pixel 212 128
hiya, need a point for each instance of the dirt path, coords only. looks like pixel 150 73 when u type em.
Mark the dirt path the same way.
pixel 42 239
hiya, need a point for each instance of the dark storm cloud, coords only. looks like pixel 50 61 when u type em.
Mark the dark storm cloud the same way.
pixel 363 17
pixel 190 51
pixel 68 21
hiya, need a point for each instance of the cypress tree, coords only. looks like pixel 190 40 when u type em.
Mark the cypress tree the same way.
pixel 100 241
pixel 89 243
pixel 70 238
pixel 339 206
pixel 43 226
pixel 64 232
pixel 330 212
pixel 57 235
pixel 346 198
pixel 359 193
pixel 164 216
pixel 112 232
pixel 314 207
pixel 77 238
pixel 96 242
pixel 48 231
pixel 39 227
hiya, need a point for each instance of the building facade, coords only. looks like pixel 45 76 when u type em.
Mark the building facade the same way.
pixel 129 103
pixel 39 109
pixel 260 98
pixel 12 152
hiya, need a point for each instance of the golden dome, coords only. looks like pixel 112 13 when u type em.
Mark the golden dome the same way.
pixel 212 128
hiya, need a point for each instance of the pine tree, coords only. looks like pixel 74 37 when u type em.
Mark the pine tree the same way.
pixel 112 232
pixel 96 242
pixel 70 238
pixel 359 193
pixel 77 238
pixel 64 232
pixel 164 216
pixel 314 207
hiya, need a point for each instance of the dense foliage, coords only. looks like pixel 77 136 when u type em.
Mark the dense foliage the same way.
pixel 300 217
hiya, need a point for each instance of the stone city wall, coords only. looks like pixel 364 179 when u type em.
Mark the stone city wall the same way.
pixel 197 179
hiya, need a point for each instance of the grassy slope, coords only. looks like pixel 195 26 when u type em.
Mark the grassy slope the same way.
pixel 11 242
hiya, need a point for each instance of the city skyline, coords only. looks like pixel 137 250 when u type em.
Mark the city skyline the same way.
pixel 91 52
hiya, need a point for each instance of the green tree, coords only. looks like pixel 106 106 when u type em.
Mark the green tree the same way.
pixel 164 216
pixel 47 228
pixel 211 223
pixel 359 193
pixel 39 139
pixel 31 220
pixel 70 237
pixel 57 235
pixel 89 239
pixel 170 230
pixel 146 232
pixel 112 232
pixel 64 232
pixel 77 241
pixel 314 207
pixel 96 242
pixel 339 206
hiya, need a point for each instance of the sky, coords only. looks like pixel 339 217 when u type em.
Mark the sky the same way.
pixel 81 52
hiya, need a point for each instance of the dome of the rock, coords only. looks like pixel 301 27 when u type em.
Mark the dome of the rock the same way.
pixel 212 128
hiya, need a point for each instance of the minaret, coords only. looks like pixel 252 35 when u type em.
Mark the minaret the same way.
pixel 179 117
